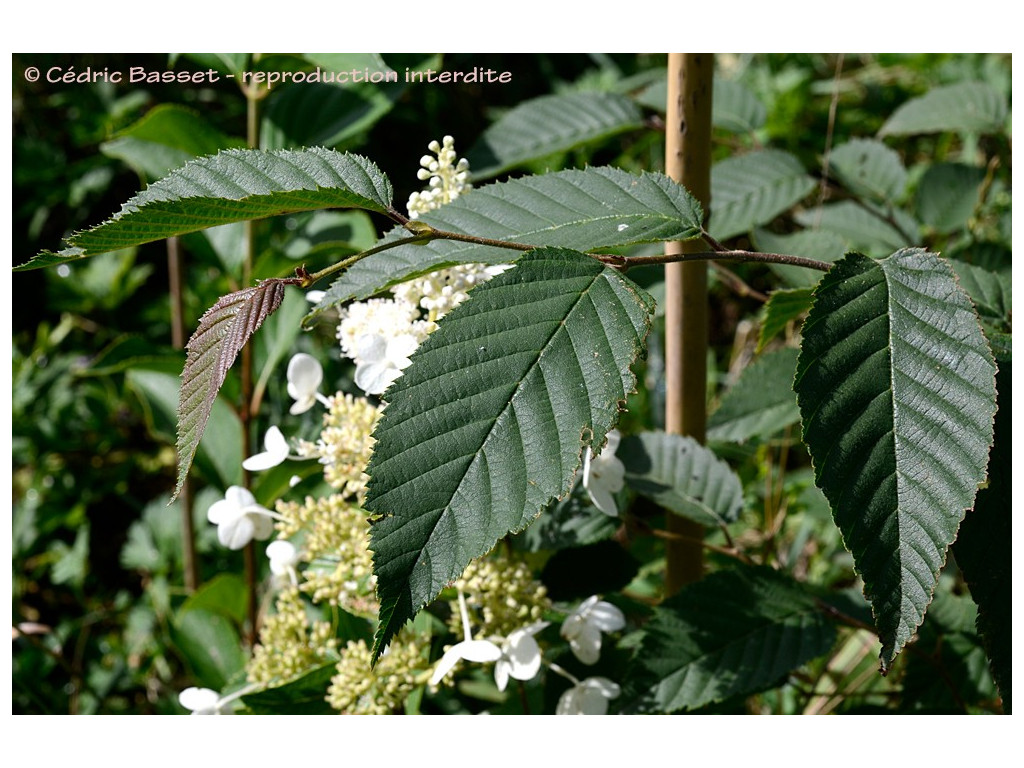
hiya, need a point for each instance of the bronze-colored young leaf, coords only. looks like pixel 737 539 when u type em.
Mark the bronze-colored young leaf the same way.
pixel 223 331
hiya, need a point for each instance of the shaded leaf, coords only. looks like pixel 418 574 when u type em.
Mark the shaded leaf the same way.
pixel 234 185
pixel 166 137
pixel 761 403
pixel 220 454
pixel 683 476
pixel 948 194
pixel 733 106
pixel 965 107
pixel 543 126
pixel 303 695
pixel 570 522
pixel 584 210
pixel 869 168
pixel 896 386
pixel 984 547
pixel 750 190
pixel 865 227
pixel 210 645
pixel 733 633
pixel 223 330
pixel 487 424
pixel 782 308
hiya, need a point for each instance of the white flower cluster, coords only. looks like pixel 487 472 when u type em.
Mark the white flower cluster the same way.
pixel 448 178
pixel 440 292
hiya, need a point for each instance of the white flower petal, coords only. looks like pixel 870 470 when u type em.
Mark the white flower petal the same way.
pixel 276 452
pixel 470 650
pixel 501 673
pixel 480 651
pixel 198 699
pixel 373 378
pixel 522 654
pixel 304 376
pixel 283 555
pixel 586 645
pixel 236 533
pixel 371 348
pixel 606 617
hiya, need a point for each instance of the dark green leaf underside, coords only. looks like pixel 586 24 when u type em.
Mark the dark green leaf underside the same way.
pixel 487 424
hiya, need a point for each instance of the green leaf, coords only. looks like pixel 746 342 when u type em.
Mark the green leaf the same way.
pixel 896 386
pixel 234 185
pixel 947 195
pixel 864 226
pixel 221 452
pixel 168 136
pixel 683 476
pixel 487 424
pixel 984 547
pixel 224 594
pixel 549 124
pixel 761 403
pixel 210 645
pixel 964 107
pixel 870 169
pixel 319 114
pixel 736 632
pixel 782 308
pixel 949 634
pixel 733 106
pixel 750 190
pixel 585 210
pixel 303 695
pixel 569 523
pixel 223 330
pixel 991 292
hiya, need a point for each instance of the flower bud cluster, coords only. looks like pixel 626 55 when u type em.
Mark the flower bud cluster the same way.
pixel 358 689
pixel 440 292
pixel 502 596
pixel 345 443
pixel 447 177
pixel 336 549
pixel 289 645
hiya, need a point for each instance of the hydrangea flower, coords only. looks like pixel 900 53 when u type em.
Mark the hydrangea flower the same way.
pixel 283 558
pixel 239 519
pixel 381 361
pixel 604 475
pixel 304 376
pixel 203 701
pixel 589 697
pixel 275 451
pixel 520 656
pixel 583 627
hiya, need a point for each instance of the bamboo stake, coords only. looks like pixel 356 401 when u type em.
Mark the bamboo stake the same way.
pixel 688 161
